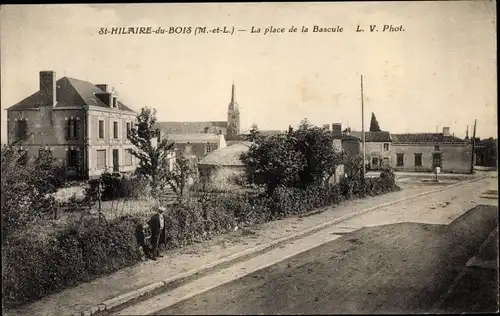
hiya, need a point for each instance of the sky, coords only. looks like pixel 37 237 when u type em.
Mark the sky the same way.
pixel 440 71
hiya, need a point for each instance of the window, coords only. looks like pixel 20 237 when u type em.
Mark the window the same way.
pixel 114 102
pixel 101 129
pixel 73 129
pixel 208 148
pixel 129 129
pixel 101 159
pixel 128 157
pixel 418 160
pixel 436 148
pixel 399 160
pixel 72 158
pixel 22 129
pixel 386 146
pixel 115 130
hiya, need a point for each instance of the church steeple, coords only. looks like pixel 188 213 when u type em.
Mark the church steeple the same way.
pixel 232 94
pixel 233 116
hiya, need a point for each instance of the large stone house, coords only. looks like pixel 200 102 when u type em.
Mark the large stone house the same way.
pixel 75 121
pixel 422 152
pixel 378 149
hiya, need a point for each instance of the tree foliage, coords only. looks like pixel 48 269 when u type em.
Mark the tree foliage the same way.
pixel 254 133
pixel 299 158
pixel 151 149
pixel 374 127
pixel 27 187
pixel 316 145
pixel 274 161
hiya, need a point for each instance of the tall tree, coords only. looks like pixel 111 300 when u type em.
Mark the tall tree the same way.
pixel 254 133
pixel 151 150
pixel 374 127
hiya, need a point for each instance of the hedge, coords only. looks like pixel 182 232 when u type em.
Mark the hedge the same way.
pixel 34 267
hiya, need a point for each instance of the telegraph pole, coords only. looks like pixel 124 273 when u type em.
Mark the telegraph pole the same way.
pixel 473 147
pixel 363 127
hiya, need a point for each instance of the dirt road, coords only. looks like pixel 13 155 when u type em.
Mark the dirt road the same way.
pixel 439 208
pixel 401 268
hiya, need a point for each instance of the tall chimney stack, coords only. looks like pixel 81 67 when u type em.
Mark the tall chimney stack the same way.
pixel 337 129
pixel 48 89
pixel 446 131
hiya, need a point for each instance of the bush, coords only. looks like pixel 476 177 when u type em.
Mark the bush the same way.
pixel 27 188
pixel 34 267
pixel 115 187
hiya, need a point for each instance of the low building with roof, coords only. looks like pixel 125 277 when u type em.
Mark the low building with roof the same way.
pixel 84 124
pixel 422 152
pixel 224 166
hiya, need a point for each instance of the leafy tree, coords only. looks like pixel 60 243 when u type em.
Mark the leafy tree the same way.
pixel 374 127
pixel 274 161
pixel 27 188
pixel 316 145
pixel 254 133
pixel 178 178
pixel 151 150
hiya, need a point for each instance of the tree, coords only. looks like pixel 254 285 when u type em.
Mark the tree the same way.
pixel 151 150
pixel 27 188
pixel 178 178
pixel 254 133
pixel 316 145
pixel 274 161
pixel 374 127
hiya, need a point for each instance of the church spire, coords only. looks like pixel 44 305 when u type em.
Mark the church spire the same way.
pixel 232 93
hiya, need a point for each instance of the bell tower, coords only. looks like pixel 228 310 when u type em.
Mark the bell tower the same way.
pixel 233 117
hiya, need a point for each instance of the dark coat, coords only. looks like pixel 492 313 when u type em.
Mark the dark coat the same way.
pixel 154 224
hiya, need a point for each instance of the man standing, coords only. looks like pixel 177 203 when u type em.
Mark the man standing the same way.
pixel 158 232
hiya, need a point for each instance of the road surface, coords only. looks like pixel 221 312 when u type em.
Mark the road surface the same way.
pixel 400 258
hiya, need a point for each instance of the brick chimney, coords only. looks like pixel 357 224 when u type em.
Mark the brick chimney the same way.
pixel 48 89
pixel 337 129
pixel 446 131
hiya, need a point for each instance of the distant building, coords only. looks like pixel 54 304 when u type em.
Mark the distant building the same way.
pixel 197 145
pixel 75 121
pixel 224 166
pixel 378 149
pixel 425 151
pixel 486 152
pixel 229 128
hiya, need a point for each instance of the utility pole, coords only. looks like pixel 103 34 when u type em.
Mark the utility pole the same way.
pixel 363 127
pixel 473 147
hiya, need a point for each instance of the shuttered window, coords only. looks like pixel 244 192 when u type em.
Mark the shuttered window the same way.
pixel 101 159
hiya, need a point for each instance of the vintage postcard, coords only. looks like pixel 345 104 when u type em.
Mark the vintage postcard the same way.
pixel 249 158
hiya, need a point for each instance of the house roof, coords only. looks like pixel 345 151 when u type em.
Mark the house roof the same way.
pixel 194 138
pixel 69 92
pixel 373 137
pixel 189 127
pixel 227 156
pixel 427 138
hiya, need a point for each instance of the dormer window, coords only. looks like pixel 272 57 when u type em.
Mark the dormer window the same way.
pixel 114 102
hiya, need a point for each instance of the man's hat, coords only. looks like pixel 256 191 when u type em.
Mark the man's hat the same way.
pixel 161 209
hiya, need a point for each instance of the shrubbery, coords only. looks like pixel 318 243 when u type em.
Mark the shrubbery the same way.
pixel 34 267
